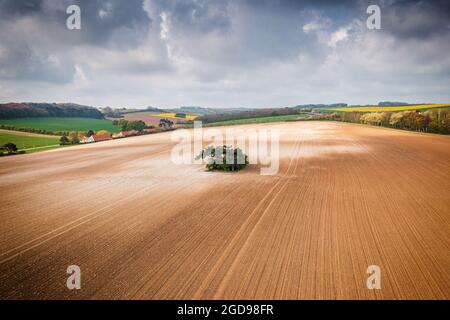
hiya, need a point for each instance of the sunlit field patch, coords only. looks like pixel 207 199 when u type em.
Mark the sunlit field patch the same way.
pixel 173 115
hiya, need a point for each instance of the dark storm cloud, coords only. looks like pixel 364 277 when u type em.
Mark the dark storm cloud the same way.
pixel 10 8
pixel 417 19
pixel 296 4
pixel 246 33
pixel 35 50
pixel 213 15
pixel 404 18
pixel 202 15
pixel 100 18
pixel 22 63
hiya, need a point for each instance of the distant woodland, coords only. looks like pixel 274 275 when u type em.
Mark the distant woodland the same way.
pixel 34 110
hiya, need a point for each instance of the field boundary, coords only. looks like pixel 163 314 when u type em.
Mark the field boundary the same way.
pixel 388 128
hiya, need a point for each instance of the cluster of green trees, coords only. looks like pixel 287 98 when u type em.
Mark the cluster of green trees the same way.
pixel 128 125
pixel 73 137
pixel 435 121
pixel 224 158
pixel 10 148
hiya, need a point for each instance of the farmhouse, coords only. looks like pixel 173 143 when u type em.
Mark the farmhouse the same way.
pixel 87 139
pixel 149 130
pixel 101 137
pixel 118 135
pixel 124 134
pixel 130 133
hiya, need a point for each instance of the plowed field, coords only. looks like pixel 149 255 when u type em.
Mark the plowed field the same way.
pixel 140 227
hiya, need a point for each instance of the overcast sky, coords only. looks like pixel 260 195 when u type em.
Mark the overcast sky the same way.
pixel 260 53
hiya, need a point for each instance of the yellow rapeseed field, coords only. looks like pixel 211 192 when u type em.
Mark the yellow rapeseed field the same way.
pixel 389 108
pixel 172 115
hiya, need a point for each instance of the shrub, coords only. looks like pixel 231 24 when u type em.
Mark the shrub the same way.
pixel 73 137
pixel 10 148
pixel 103 132
pixel 128 125
pixel 63 140
pixel 137 125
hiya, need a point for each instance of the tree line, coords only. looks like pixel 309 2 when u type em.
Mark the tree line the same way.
pixel 35 110
pixel 247 114
pixel 434 120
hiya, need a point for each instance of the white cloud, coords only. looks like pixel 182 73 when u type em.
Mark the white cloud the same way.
pixel 317 22
pixel 164 34
pixel 338 36
pixel 312 26
pixel 106 11
pixel 79 74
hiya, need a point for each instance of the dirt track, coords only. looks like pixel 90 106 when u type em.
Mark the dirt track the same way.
pixel 139 227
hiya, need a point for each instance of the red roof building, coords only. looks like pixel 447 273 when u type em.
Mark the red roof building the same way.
pixel 101 137
pixel 150 130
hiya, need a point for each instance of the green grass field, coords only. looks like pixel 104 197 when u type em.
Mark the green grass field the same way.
pixel 290 117
pixel 62 124
pixel 29 142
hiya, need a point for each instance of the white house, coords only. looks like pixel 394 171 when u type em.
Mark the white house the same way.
pixel 87 139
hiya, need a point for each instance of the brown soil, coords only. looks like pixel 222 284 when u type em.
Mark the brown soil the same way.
pixel 140 227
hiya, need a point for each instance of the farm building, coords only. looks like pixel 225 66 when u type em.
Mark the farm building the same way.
pixel 101 137
pixel 118 135
pixel 149 130
pixel 131 133
pixel 87 139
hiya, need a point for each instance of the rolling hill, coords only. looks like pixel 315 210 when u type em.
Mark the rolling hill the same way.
pixel 35 110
